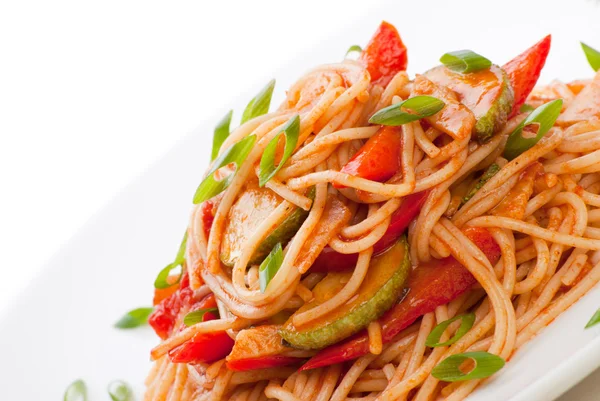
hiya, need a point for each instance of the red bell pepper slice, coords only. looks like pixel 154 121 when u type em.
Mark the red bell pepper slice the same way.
pixel 385 54
pixel 378 159
pixel 166 311
pixel 203 347
pixel 330 260
pixel 524 70
pixel 263 362
pixel 431 284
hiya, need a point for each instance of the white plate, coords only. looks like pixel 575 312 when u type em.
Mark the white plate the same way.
pixel 60 328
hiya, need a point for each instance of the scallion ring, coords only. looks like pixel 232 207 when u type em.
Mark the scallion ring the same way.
pixel 220 133
pixel 353 49
pixel 197 316
pixel 592 55
pixel 420 107
pixel 134 318
pixel 77 391
pixel 594 320
pixel 269 267
pixel 260 103
pixel 118 390
pixel 267 169
pixel 541 119
pixel 465 61
pixel 486 364
pixel 235 154
pixel 466 322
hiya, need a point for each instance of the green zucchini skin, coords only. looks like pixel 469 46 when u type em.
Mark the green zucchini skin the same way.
pixel 246 214
pixel 360 315
pixel 490 118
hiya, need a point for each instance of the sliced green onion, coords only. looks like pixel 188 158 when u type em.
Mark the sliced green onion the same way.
pixel 526 108
pixel 486 364
pixel 353 49
pixel 433 339
pixel 260 103
pixel 77 391
pixel 489 173
pixel 134 318
pixel 421 107
pixel 236 154
pixel 162 279
pixel 267 170
pixel 197 316
pixel 465 61
pixel 543 117
pixel 592 55
pixel 594 320
pixel 180 257
pixel 120 391
pixel 220 134
pixel 269 267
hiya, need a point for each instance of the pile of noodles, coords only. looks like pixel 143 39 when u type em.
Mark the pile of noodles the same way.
pixel 548 259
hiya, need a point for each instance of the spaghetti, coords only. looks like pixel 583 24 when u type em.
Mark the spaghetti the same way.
pixel 306 287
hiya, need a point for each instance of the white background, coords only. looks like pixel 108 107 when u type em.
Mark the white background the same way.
pixel 91 93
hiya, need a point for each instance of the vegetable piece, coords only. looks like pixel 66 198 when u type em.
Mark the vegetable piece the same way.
pixel 118 390
pixel 594 320
pixel 420 106
pixel 268 170
pixel 165 313
pixel 466 322
pixel 134 318
pixel 203 347
pixel 220 134
pixel 592 55
pixel 378 159
pixel 526 108
pixel 246 214
pixel 77 391
pixel 164 279
pixel 585 106
pixel 259 348
pixel 335 216
pixel 487 93
pixel 385 55
pixel 269 267
pixel 353 49
pixel 380 289
pixel 260 103
pixel 513 205
pixel 535 126
pixel 330 260
pixel 486 364
pixel 524 70
pixel 234 155
pixel 197 316
pixel 465 61
pixel 430 285
pixel 455 119
pixel 485 177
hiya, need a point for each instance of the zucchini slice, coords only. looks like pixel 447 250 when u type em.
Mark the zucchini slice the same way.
pixel 487 93
pixel 246 214
pixel 381 288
